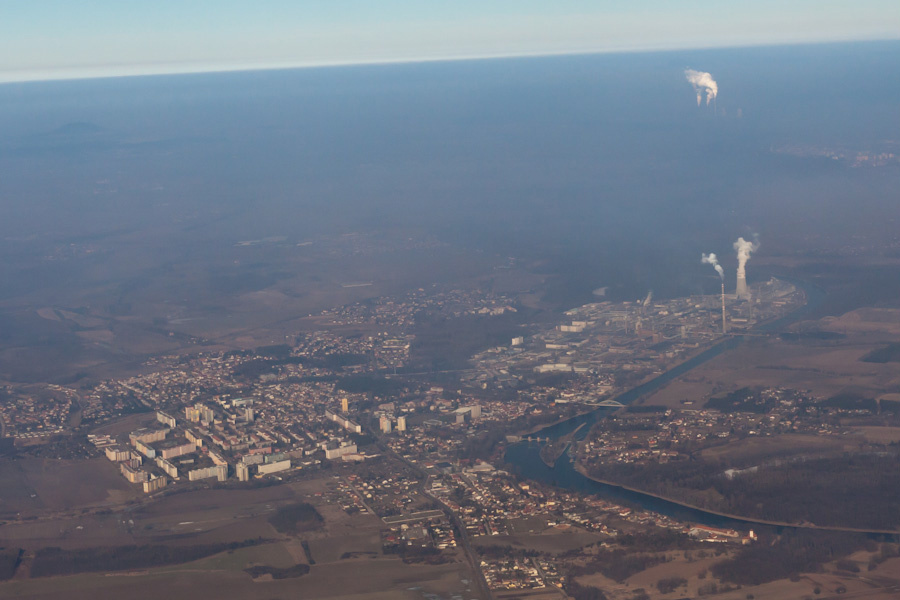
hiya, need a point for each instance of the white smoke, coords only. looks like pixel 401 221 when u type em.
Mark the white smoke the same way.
pixel 744 248
pixel 703 83
pixel 712 259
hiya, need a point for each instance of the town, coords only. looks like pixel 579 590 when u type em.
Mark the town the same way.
pixel 419 453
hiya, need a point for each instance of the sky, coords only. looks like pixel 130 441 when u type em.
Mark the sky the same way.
pixel 62 39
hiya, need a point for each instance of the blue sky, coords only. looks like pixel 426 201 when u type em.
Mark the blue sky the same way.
pixel 51 39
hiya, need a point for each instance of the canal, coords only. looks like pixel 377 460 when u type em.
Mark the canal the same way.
pixel 526 460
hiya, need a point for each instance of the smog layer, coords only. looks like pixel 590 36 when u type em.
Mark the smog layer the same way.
pixel 261 330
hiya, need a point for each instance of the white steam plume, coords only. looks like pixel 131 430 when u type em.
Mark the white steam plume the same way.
pixel 712 259
pixel 703 83
pixel 744 249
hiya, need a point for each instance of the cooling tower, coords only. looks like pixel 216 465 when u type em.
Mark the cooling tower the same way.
pixel 742 292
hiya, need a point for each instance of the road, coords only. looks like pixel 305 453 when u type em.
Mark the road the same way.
pixel 360 496
pixel 471 556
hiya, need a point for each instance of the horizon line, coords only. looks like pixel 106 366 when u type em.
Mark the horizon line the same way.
pixel 189 68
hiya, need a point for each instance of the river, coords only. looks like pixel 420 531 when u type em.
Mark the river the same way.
pixel 526 460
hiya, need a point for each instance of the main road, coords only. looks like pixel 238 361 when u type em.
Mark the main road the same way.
pixel 471 556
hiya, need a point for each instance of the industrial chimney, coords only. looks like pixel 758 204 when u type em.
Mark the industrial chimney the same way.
pixel 724 327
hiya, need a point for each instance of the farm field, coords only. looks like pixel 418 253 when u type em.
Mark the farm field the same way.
pixel 341 544
pixel 824 367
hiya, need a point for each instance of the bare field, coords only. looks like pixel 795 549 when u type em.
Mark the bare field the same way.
pixel 339 523
pixel 694 571
pixel 215 529
pixel 878 321
pixel 824 369
pixel 828 584
pixel 330 549
pixel 204 501
pixel 372 580
pixel 756 448
pixel 68 533
pixel 610 587
pixel 32 486
pixel 197 517
pixel 879 435
pixel 226 515
pixel 273 555
pixel 880 584
pixel 126 424
pixel 210 516
pixel 204 516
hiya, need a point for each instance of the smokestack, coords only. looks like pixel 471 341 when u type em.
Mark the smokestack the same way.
pixel 744 249
pixel 703 83
pixel 724 329
pixel 712 259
